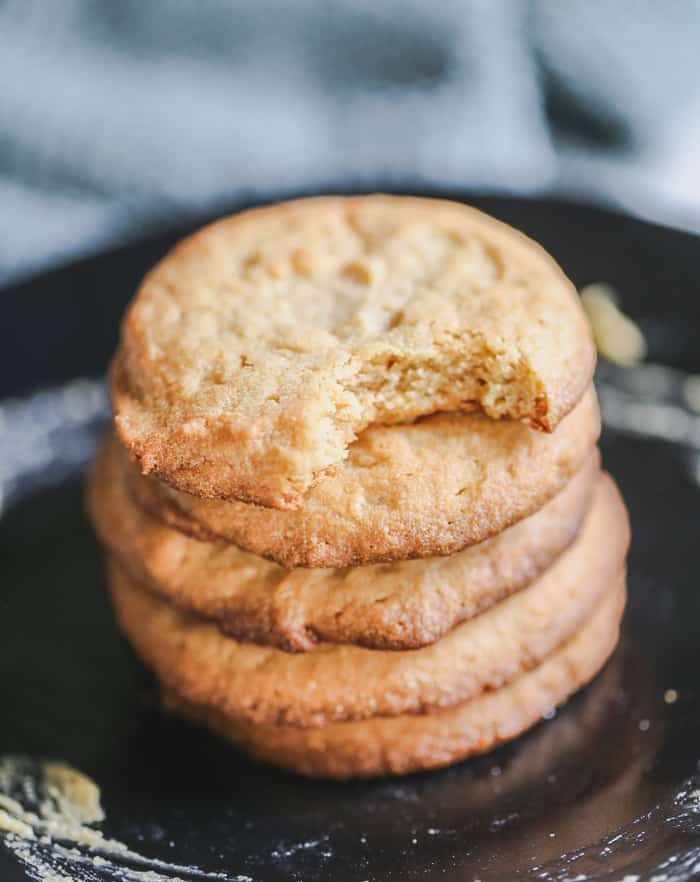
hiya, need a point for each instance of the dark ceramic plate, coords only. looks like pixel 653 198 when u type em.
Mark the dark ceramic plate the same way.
pixel 608 789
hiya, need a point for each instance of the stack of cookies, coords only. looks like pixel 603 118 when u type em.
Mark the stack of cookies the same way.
pixel 353 509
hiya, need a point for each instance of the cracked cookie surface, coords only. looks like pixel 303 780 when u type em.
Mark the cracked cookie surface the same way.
pixel 260 348
pixel 429 488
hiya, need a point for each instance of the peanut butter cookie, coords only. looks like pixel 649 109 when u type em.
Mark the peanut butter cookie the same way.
pixel 260 348
pixel 402 605
pixel 334 682
pixel 429 488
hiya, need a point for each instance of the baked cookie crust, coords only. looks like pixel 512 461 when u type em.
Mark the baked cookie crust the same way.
pixel 334 682
pixel 429 488
pixel 403 605
pixel 256 352
pixel 404 744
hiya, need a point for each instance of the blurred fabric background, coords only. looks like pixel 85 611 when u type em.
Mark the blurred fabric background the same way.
pixel 121 116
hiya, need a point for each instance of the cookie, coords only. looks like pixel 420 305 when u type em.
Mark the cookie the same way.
pixel 334 682
pixel 412 743
pixel 403 605
pixel 259 349
pixel 430 488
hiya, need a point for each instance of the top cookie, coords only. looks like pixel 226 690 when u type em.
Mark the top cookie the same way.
pixel 258 349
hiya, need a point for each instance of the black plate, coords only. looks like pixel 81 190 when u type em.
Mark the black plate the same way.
pixel 605 790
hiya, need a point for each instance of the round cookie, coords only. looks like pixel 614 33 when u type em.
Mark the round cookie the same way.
pixel 339 682
pixel 259 349
pixel 404 744
pixel 429 488
pixel 403 605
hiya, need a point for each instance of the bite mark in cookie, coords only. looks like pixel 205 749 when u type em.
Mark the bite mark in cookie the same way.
pixel 257 351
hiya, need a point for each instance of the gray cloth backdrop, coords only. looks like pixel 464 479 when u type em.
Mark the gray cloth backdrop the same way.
pixel 118 116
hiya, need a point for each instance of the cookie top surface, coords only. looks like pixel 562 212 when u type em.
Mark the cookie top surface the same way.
pixel 258 349
pixel 429 488
pixel 338 682
pixel 396 606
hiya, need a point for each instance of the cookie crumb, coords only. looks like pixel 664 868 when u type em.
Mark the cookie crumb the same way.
pixel 616 336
